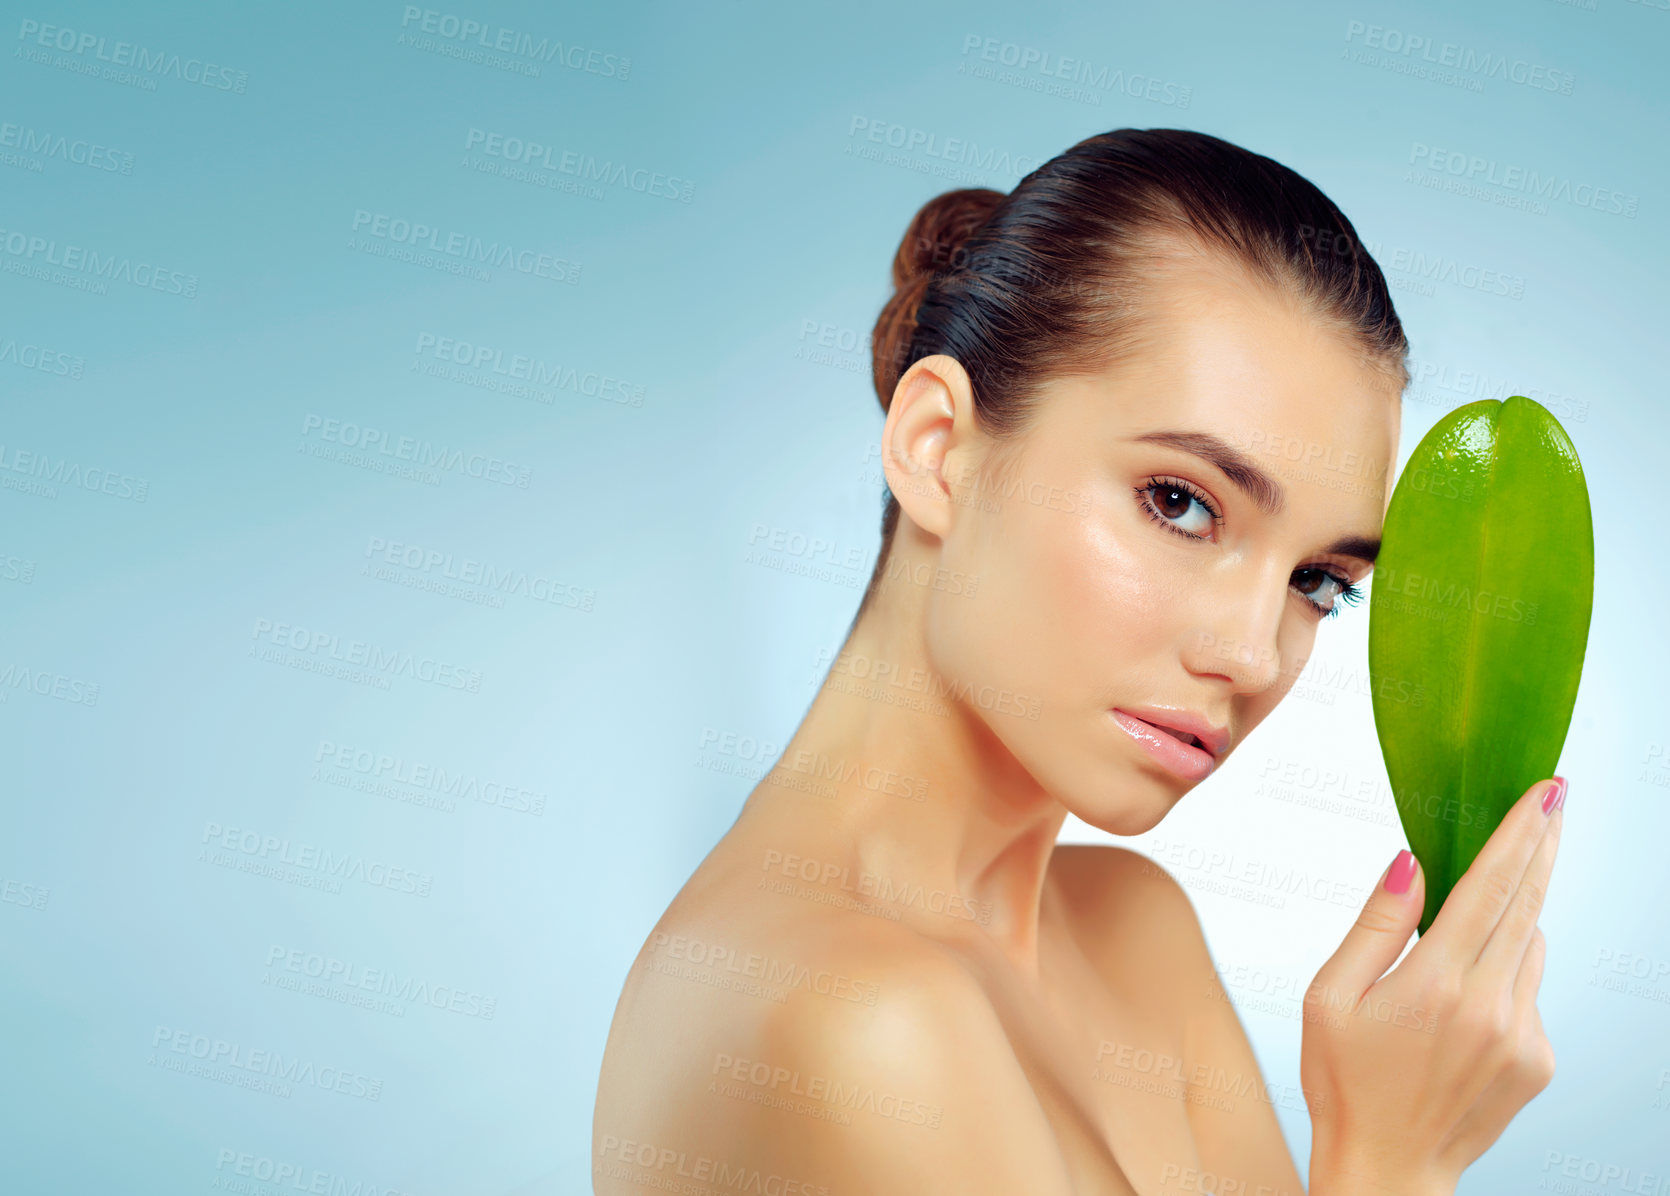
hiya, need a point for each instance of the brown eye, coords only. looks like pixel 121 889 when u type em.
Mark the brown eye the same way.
pixel 1169 503
pixel 1309 581
pixel 1173 503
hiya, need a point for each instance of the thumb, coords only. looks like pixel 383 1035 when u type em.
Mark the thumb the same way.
pixel 1377 938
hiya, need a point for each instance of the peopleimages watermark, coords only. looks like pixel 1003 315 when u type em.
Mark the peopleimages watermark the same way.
pixel 953 158
pixel 1446 62
pixel 356 984
pixel 287 1176
pixel 437 565
pixel 333 867
pixel 882 891
pixel 491 368
pixel 1323 464
pixel 465 37
pixel 820 1095
pixel 1317 673
pixel 27 471
pixel 916 688
pixel 1133 1065
pixel 1430 381
pixel 34 256
pixel 1629 1180
pixel 47 684
pixel 148 64
pixel 536 155
pixel 823 343
pixel 750 972
pixel 16 568
pixel 1180 1178
pixel 1431 268
pixel 464 248
pixel 1060 75
pixel 737 754
pixel 1436 267
pixel 55 362
pixel 638 1162
pixel 327 646
pixel 1256 881
pixel 43 145
pixel 1440 598
pixel 1474 169
pixel 415 454
pixel 1330 790
pixel 972 485
pixel 1315 1003
pixel 1655 768
pixel 1632 974
pixel 231 1058
pixel 816 767
pixel 29 896
pixel 447 784
pixel 790 551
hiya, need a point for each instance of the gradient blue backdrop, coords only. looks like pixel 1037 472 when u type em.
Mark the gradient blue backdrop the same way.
pixel 190 548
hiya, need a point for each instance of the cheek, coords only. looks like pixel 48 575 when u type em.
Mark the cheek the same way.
pixel 1120 598
pixel 1069 606
pixel 1296 646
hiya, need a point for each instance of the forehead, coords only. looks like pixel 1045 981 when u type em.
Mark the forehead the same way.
pixel 1220 350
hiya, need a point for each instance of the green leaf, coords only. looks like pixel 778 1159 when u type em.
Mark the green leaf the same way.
pixel 1478 622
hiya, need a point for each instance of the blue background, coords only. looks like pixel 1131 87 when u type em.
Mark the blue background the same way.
pixel 189 544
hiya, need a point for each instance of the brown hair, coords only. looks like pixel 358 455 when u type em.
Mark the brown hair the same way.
pixel 1043 282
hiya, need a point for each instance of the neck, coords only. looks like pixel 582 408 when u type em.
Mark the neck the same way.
pixel 895 772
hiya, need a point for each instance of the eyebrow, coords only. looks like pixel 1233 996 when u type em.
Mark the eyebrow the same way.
pixel 1252 481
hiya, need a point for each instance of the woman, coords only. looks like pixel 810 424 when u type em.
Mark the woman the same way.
pixel 1098 575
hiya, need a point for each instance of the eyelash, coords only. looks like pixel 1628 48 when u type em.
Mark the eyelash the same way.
pixel 1349 594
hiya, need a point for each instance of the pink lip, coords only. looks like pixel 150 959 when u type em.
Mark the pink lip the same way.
pixel 1184 759
pixel 1213 738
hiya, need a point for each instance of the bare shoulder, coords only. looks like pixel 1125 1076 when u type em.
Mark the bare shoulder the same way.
pixel 1123 906
pixel 1098 877
pixel 812 1049
pixel 1137 925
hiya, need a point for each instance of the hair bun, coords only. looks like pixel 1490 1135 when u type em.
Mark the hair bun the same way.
pixel 940 229
pixel 930 246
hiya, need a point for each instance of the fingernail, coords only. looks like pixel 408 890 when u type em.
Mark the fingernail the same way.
pixel 1554 796
pixel 1401 872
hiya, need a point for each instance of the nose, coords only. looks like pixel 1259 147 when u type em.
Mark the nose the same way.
pixel 1237 634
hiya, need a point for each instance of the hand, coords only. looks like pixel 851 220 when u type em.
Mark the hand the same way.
pixel 1411 1075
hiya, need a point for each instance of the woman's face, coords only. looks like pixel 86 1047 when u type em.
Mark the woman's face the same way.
pixel 1168 539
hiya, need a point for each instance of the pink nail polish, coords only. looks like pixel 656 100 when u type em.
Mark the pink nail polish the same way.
pixel 1400 873
pixel 1559 802
pixel 1554 796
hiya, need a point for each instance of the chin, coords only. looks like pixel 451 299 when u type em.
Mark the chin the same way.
pixel 1148 802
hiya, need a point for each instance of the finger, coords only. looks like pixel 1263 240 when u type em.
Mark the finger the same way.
pixel 1499 1101
pixel 1380 933
pixel 1510 1091
pixel 1480 898
pixel 1505 950
pixel 1529 979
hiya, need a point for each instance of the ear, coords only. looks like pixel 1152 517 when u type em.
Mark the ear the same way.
pixel 929 441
